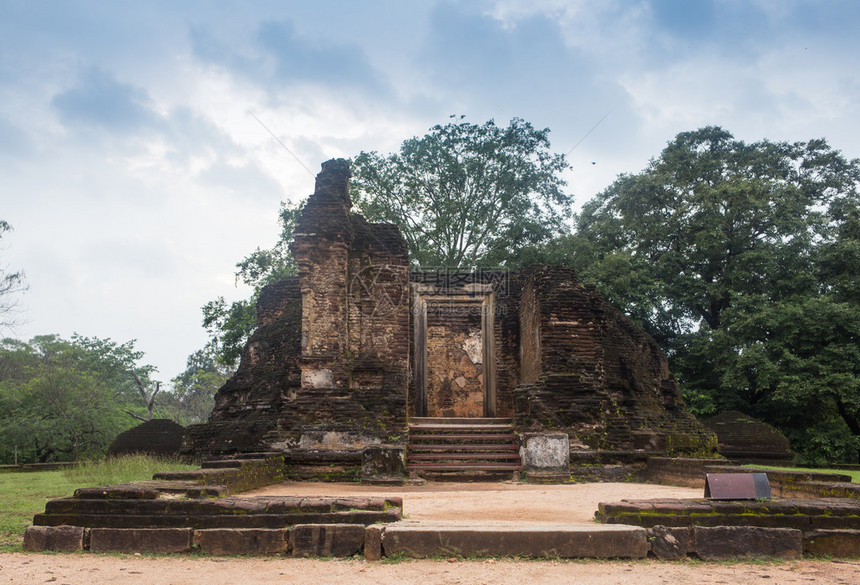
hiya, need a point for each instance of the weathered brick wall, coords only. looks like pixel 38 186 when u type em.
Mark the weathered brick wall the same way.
pixel 327 368
pixel 378 309
pixel 601 379
pixel 249 407
pixel 507 346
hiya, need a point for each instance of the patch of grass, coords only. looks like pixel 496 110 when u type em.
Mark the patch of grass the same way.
pixel 855 474
pixel 120 470
pixel 22 495
pixel 395 558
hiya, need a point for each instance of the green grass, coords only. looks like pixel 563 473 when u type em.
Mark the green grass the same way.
pixel 22 495
pixel 120 470
pixel 855 475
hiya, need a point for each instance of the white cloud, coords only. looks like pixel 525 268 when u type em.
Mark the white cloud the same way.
pixel 126 229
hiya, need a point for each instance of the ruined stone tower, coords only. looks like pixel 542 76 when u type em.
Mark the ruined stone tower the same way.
pixel 350 350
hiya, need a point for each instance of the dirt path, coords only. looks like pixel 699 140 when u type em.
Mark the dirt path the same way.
pixel 89 569
pixel 556 503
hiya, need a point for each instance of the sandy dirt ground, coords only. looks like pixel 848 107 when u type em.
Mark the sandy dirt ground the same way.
pixel 511 501
pixel 88 569
pixel 438 502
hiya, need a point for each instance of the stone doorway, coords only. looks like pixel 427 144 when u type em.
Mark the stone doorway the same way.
pixel 455 358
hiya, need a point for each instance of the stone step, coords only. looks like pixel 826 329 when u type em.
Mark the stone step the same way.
pixel 459 427
pixel 463 466
pixel 459 420
pixel 462 437
pixel 230 463
pixel 270 521
pixel 466 449
pixel 230 506
pixel 482 447
pixel 415 457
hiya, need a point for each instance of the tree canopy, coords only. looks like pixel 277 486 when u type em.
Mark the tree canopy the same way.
pixel 742 259
pixel 64 399
pixel 193 391
pixel 465 194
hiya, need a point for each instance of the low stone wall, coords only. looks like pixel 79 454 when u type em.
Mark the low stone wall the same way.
pixel 800 484
pixel 230 475
pixel 821 489
pixel 681 471
pixel 689 527
pixel 301 540
pixel 689 472
pixel 802 513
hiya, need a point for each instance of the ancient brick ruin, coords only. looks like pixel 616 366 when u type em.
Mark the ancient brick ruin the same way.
pixel 745 439
pixel 160 437
pixel 354 347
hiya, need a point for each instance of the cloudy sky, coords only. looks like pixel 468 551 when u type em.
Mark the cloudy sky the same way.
pixel 136 171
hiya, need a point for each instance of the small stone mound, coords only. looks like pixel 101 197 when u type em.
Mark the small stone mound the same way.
pixel 743 438
pixel 160 437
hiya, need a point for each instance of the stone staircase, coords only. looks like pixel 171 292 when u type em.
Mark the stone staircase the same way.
pixel 462 448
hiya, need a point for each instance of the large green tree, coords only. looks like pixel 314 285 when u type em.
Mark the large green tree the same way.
pixel 465 194
pixel 65 399
pixel 192 396
pixel 742 259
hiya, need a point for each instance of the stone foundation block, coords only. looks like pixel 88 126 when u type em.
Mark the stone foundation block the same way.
pixel 670 544
pixel 56 538
pixel 128 491
pixel 834 523
pixel 326 540
pixel 545 456
pixel 373 542
pixel 383 464
pixel 359 503
pixel 732 542
pixel 241 541
pixel 131 540
pixel 487 539
pixel 833 543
